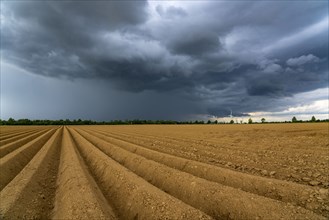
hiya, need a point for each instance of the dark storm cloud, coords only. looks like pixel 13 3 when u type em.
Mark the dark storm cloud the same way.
pixel 56 38
pixel 298 61
pixel 195 44
pixel 265 87
pixel 219 55
pixel 171 12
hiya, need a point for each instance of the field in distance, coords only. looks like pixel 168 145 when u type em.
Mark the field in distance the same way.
pixel 257 171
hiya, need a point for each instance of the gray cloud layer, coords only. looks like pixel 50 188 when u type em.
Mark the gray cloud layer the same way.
pixel 221 55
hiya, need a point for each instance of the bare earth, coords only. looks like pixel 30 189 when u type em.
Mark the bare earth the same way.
pixel 259 171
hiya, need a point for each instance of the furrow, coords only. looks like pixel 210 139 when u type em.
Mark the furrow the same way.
pixel 241 161
pixel 171 144
pixel 18 137
pixel 220 202
pixel 5 137
pixel 14 162
pixel 210 144
pixel 177 142
pixel 18 129
pixel 13 129
pixel 6 149
pixel 31 193
pixel 77 195
pixel 170 149
pixel 300 195
pixel 132 196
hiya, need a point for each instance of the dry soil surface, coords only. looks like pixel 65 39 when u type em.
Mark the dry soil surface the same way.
pixel 258 171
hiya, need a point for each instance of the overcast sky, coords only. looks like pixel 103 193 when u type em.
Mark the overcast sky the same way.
pixel 180 60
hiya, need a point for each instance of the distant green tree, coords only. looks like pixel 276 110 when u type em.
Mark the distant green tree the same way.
pixel 208 122
pixel 232 121
pixel 263 120
pixel 249 121
pixel 11 121
pixel 294 119
pixel 313 119
pixel 215 122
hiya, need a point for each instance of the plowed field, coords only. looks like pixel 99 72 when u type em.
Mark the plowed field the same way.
pixel 259 171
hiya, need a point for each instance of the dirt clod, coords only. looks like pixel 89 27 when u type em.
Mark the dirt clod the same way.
pixel 314 183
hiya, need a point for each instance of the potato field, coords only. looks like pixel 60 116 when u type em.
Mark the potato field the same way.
pixel 257 171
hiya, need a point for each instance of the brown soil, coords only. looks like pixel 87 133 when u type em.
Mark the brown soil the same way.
pixel 268 171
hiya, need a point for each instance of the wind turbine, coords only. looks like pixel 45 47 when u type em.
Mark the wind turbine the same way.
pixel 231 115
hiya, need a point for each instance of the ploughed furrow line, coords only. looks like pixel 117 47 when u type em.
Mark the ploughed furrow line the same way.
pixel 77 195
pixel 7 148
pixel 215 146
pixel 218 201
pixel 14 162
pixel 194 152
pixel 301 195
pixel 206 147
pixel 178 140
pixel 175 145
pixel 18 137
pixel 30 195
pixel 10 130
pixel 131 196
pixel 282 164
pixel 147 142
pixel 5 137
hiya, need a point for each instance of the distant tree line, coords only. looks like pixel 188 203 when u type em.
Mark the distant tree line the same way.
pixel 12 121
pixel 313 119
pixel 293 120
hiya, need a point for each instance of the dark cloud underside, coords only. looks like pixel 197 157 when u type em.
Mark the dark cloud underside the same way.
pixel 218 55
